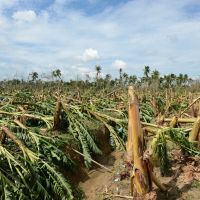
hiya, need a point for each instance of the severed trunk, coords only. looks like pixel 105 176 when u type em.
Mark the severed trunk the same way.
pixel 57 116
pixel 141 176
pixel 173 122
pixel 195 130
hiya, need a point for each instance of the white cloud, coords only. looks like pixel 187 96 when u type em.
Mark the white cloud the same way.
pixel 90 54
pixel 83 71
pixel 165 37
pixel 119 64
pixel 2 21
pixel 26 15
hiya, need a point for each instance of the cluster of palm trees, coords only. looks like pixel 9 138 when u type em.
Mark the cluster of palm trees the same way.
pixel 55 74
pixel 167 81
pixel 150 78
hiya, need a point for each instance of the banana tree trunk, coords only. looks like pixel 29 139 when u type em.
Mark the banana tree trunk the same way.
pixel 141 177
pixel 173 122
pixel 57 119
pixel 195 130
pixel 2 137
pixel 181 120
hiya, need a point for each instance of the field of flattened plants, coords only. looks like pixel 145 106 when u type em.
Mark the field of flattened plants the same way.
pixel 79 141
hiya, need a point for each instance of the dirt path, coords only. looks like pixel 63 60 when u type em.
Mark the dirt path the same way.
pixel 93 186
pixel 183 184
pixel 100 179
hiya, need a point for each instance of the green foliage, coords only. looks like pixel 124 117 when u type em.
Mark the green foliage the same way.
pixel 146 112
pixel 196 184
pixel 161 152
pixel 178 137
pixel 32 172
pixel 177 106
pixel 160 104
pixel 35 170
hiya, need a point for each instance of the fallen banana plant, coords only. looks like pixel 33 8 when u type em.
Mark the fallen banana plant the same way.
pixel 159 146
pixel 30 166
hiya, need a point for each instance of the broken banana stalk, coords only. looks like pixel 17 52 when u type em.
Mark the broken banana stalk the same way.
pixel 142 174
pixel 195 130
pixel 140 179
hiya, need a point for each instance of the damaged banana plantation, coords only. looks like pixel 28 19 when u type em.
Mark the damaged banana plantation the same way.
pixel 55 134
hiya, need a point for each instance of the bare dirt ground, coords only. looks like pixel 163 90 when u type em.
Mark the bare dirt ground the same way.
pixel 182 184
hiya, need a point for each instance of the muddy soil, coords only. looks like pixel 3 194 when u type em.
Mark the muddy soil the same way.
pixel 183 182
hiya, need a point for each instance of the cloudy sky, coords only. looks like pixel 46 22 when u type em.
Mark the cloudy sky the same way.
pixel 76 35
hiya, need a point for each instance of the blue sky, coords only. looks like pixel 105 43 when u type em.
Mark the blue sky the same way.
pixel 76 35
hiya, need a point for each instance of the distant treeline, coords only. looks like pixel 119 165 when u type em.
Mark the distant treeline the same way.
pixel 150 78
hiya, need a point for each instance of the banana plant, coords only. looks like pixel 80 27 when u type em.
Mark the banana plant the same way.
pixel 141 175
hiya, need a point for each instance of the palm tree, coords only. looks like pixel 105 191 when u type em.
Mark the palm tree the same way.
pixel 155 79
pixel 179 79
pixel 170 80
pixel 107 80
pixel 146 71
pixel 167 80
pixel 56 73
pixel 132 79
pixel 125 77
pixel 98 71
pixel 173 79
pixel 107 77
pixel 145 80
pixel 185 79
pixel 34 76
pixel 155 75
pixel 120 74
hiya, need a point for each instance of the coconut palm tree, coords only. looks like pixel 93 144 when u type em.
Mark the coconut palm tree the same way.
pixel 132 79
pixel 146 71
pixel 155 79
pixel 185 79
pixel 155 75
pixel 56 73
pixel 98 71
pixel 179 79
pixel 169 80
pixel 125 78
pixel 120 75
pixel 108 77
pixel 34 76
